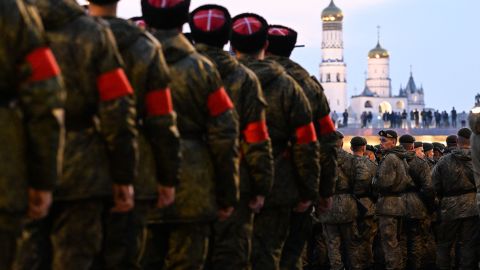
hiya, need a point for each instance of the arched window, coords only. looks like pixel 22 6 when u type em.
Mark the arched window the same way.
pixel 368 104
pixel 328 77
pixel 338 77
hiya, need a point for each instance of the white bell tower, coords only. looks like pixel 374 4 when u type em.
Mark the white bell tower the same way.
pixel 333 68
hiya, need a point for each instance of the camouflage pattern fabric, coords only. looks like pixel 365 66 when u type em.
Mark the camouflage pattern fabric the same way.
pixel 393 241
pixel 300 231
pixel 339 239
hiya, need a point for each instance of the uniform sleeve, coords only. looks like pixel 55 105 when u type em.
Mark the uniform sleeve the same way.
pixel 386 171
pixel 305 145
pixel 161 123
pixel 222 138
pixel 437 179
pixel 41 100
pixel 256 144
pixel 363 178
pixel 425 182
pixel 117 113
pixel 327 140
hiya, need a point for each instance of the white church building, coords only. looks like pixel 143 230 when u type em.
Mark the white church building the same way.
pixel 377 96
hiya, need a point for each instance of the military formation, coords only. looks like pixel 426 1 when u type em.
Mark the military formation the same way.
pixel 130 145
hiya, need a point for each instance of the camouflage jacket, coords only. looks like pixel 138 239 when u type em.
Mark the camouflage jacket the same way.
pixel 209 134
pixel 100 111
pixel 243 87
pixel 391 182
pixel 295 148
pixel 324 126
pixel 159 142
pixel 30 97
pixel 454 183
pixel 365 171
pixel 344 207
pixel 474 121
pixel 423 197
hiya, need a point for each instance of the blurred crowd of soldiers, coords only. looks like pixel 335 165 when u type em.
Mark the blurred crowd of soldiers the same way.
pixel 127 145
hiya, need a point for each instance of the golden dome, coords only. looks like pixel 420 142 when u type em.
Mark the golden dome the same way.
pixel 332 13
pixel 378 52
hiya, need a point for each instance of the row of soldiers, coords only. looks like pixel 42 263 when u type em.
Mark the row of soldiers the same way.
pixel 156 153
pixel 411 206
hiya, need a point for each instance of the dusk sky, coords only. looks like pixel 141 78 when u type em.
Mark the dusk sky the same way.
pixel 438 38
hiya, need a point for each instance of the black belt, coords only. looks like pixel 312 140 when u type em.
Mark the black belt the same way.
pixel 459 193
pixel 79 125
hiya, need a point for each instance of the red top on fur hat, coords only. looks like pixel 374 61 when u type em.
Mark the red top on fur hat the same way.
pixel 209 20
pixel 164 3
pixel 276 31
pixel 247 25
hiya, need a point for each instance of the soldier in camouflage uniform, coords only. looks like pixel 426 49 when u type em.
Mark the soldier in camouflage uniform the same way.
pixel 438 151
pixel 159 145
pixel 474 122
pixel 339 224
pixel 281 42
pixel 294 142
pixel 454 182
pixel 428 151
pixel 391 182
pixel 30 115
pixel 367 228
pixel 100 140
pixel 211 26
pixel 420 200
pixel 451 142
pixel 208 183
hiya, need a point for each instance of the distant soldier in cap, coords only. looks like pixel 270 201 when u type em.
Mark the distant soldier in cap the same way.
pixel 418 148
pixel 420 199
pixel 365 170
pixel 211 27
pixel 428 151
pixel 101 145
pixel 391 182
pixel 455 186
pixel 159 147
pixel 339 224
pixel 281 42
pixel 294 142
pixel 31 117
pixel 370 152
pixel 451 143
pixel 178 235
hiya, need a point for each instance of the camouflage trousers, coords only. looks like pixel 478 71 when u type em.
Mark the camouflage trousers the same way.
pixel 363 242
pixel 176 246
pixel 429 260
pixel 393 241
pixel 270 230
pixel 341 249
pixel 9 232
pixel 463 231
pixel 69 238
pixel 300 231
pixel 420 244
pixel 124 239
pixel 316 257
pixel 231 241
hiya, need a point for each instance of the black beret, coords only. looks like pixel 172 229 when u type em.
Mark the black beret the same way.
pixel 371 148
pixel 339 135
pixel 427 147
pixel 388 133
pixel 407 138
pixel 358 141
pixel 452 139
pixel 417 144
pixel 464 133
pixel 438 146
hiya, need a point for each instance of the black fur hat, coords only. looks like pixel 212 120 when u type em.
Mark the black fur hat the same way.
pixel 174 14
pixel 211 24
pixel 281 40
pixel 249 32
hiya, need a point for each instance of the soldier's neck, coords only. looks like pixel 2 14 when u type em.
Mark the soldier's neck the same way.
pixel 259 56
pixel 103 10
pixel 358 154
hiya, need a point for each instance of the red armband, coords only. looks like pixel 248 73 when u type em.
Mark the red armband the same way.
pixel 113 84
pixel 326 125
pixel 219 102
pixel 159 102
pixel 43 64
pixel 256 132
pixel 306 134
